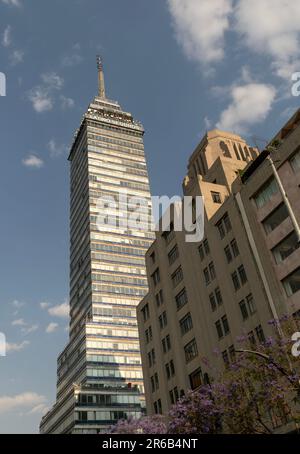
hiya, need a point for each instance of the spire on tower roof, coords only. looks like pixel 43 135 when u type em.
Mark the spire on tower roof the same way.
pixel 101 83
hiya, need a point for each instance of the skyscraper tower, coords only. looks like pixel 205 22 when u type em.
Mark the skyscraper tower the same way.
pixel 99 376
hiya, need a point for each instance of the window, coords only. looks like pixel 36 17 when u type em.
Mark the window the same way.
pixel 151 358
pixel 295 162
pixel 234 248
pixel 201 252
pixel 170 369
pixel 177 277
pixel 252 339
pixel 292 283
pixel 148 334
pixel 219 296
pixel 232 353
pixel 236 152
pixel 276 218
pixel 196 379
pixel 224 226
pixel 239 278
pixel 166 344
pixel 191 351
pixel 169 235
pixel 225 325
pixel 159 297
pixel 235 280
pixel 154 383
pixel 222 327
pixel 209 273
pixel 181 299
pixel 152 256
pixel 156 277
pixel 174 395
pixel 260 334
pixel 250 304
pixel 173 255
pixel 163 321
pixel 146 312
pixel 219 329
pixel 206 276
pixel 216 196
pixel 225 357
pixel 157 407
pixel 221 229
pixel 215 299
pixel 227 223
pixel 244 311
pixel 213 302
pixel 186 324
pixel 284 249
pixel 242 274
pixel 266 193
pixel 212 271
pixel 168 372
pixel 206 247
pixel 228 254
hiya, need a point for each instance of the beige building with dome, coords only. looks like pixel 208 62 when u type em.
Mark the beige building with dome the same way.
pixel 245 271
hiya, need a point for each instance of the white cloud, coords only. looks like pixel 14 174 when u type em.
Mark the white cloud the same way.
pixel 71 60
pixel 74 58
pixel 28 400
pixel 6 38
pixel 12 2
pixel 44 305
pixel 16 347
pixel 39 409
pixel 267 28
pixel 51 327
pixel 19 322
pixel 17 304
pixel 17 57
pixel 200 27
pixel 271 28
pixel 55 149
pixel 42 96
pixel 28 329
pixel 52 81
pixel 40 99
pixel 61 310
pixel 33 162
pixel 207 123
pixel 250 104
pixel 66 103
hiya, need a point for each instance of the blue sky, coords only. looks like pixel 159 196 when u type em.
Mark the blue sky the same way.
pixel 180 66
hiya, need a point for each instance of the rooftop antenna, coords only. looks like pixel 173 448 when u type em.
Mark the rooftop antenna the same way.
pixel 101 83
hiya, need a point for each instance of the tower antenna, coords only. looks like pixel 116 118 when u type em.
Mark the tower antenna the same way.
pixel 101 82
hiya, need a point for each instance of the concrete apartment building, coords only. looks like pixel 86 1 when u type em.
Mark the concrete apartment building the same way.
pixel 245 272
